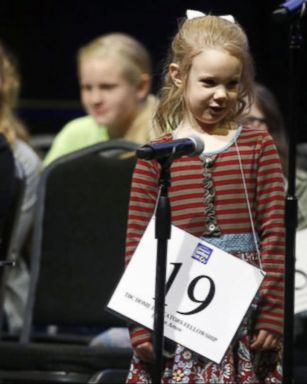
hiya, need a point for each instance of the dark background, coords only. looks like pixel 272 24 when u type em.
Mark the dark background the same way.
pixel 45 35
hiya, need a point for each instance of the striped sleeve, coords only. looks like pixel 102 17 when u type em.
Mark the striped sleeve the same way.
pixel 270 201
pixel 143 194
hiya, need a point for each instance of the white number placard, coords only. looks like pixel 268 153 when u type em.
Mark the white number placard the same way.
pixel 301 272
pixel 209 293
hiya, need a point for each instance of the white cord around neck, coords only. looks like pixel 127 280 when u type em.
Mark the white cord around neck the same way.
pixel 249 207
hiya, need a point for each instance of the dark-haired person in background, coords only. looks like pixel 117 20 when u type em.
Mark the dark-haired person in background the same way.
pixel 28 165
pixel 266 114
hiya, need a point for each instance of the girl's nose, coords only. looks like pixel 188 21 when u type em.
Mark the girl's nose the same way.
pixel 220 92
pixel 96 96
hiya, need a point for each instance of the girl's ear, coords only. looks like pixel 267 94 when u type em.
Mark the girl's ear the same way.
pixel 144 86
pixel 174 73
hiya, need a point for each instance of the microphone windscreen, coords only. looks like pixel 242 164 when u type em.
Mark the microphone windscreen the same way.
pixel 199 145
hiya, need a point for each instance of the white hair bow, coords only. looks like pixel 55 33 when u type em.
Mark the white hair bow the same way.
pixel 192 14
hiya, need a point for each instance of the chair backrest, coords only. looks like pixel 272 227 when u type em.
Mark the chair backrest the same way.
pixel 12 190
pixel 79 237
pixel 11 221
pixel 9 195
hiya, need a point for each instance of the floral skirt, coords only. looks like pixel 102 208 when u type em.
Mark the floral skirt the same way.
pixel 239 365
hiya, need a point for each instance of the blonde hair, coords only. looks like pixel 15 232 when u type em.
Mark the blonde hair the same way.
pixel 10 125
pixel 193 37
pixel 133 55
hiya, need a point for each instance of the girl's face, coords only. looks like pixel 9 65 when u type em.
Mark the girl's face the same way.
pixel 212 87
pixel 107 95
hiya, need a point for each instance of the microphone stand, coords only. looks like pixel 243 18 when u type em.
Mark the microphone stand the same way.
pixel 295 41
pixel 295 44
pixel 162 234
pixel 167 154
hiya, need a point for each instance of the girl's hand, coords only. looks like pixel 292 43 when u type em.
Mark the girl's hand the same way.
pixel 144 352
pixel 265 340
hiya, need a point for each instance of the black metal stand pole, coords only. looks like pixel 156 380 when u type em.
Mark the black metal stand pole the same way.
pixel 295 43
pixel 162 234
pixel 293 13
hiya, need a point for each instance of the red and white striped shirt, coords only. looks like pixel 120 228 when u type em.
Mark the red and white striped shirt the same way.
pixel 193 179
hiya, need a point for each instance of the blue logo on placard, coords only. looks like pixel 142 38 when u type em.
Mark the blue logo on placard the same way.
pixel 202 253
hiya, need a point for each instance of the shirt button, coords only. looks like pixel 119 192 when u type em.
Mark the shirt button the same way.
pixel 212 227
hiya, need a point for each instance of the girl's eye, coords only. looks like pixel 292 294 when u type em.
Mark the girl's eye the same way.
pixel 233 84
pixel 208 82
pixel 107 87
pixel 86 87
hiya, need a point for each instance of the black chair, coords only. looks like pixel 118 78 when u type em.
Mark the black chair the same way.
pixel 77 260
pixel 7 243
pixel 110 376
pixel 11 196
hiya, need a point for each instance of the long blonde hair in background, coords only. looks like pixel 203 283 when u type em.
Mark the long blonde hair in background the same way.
pixel 132 55
pixel 10 125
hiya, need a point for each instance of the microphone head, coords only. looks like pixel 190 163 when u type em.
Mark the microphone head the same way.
pixel 199 145
pixel 189 146
pixel 145 152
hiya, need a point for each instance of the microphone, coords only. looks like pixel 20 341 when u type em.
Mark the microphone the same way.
pixel 189 146
pixel 289 8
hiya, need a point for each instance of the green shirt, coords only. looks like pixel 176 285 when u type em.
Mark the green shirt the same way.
pixel 78 133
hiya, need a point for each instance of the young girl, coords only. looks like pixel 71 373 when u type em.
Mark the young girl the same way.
pixel 231 195
pixel 115 81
